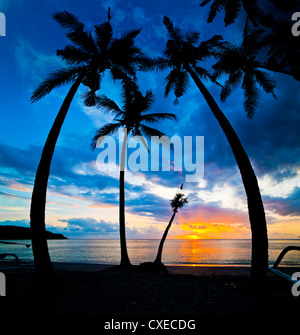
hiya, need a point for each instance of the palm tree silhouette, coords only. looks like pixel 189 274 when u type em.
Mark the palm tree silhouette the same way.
pixel 232 9
pixel 132 117
pixel 280 49
pixel 87 58
pixel 239 62
pixel 177 202
pixel 183 54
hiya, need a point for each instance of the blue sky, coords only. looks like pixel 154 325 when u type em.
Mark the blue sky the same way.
pixel 82 201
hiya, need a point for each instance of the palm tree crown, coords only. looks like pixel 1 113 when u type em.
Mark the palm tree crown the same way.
pixel 183 52
pixel 92 56
pixel 132 115
pixel 178 202
pixel 239 62
pixel 232 9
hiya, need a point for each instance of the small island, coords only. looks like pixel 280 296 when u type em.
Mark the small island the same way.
pixel 24 233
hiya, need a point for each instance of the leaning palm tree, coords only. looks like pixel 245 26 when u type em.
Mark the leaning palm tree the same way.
pixel 87 58
pixel 132 117
pixel 177 202
pixel 183 54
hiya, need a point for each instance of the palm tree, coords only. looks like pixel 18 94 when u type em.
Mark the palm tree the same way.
pixel 177 202
pixel 87 59
pixel 132 117
pixel 239 62
pixel 232 9
pixel 183 54
pixel 280 50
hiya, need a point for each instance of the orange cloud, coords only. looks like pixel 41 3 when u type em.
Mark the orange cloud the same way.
pixel 213 223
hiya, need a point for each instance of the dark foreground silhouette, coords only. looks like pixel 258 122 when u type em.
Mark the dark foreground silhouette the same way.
pixel 138 291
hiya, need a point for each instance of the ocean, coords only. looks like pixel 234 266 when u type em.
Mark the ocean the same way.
pixel 176 252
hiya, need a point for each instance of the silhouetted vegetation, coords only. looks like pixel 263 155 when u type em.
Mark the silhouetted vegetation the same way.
pixel 267 45
pixel 88 58
pixel 132 117
pixel 177 202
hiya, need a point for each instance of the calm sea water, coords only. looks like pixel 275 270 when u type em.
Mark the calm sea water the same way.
pixel 176 252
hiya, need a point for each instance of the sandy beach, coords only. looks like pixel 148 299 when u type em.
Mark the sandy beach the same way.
pixel 101 290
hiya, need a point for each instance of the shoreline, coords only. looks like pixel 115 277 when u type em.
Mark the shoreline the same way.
pixel 199 270
pixel 196 270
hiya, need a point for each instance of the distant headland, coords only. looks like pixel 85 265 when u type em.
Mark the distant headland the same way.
pixel 23 233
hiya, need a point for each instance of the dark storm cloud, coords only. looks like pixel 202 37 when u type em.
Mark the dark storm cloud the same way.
pixel 289 206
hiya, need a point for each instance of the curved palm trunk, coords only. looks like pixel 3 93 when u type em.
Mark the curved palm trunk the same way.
pixel 161 244
pixel 124 255
pixel 259 262
pixel 44 269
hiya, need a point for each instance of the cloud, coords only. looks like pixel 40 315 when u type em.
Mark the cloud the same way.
pixel 34 64
pixel 19 223
pixel 84 225
pixel 287 206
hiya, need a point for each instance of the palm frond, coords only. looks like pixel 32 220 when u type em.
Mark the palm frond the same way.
pixel 174 33
pixel 103 33
pixel 178 81
pixel 73 55
pixel 108 129
pixel 250 94
pixel 265 81
pixel 215 7
pixel 68 20
pixel 232 10
pixel 204 2
pixel 149 131
pixel 192 37
pixel 230 60
pixel 55 79
pixel 154 64
pixel 209 47
pixel 89 98
pixel 252 39
pixel 152 132
pixel 76 31
pixel 182 84
pixel 83 40
pixel 109 105
pixel 124 54
pixel 231 83
pixel 92 78
pixel 155 117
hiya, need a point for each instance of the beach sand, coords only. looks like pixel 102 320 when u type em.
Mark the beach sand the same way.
pixel 101 290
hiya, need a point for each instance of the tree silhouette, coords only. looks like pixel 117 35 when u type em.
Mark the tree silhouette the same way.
pixel 280 51
pixel 132 117
pixel 239 62
pixel 177 202
pixel 183 55
pixel 87 58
